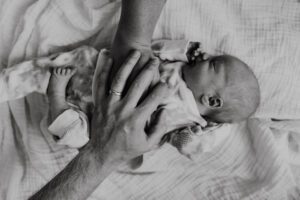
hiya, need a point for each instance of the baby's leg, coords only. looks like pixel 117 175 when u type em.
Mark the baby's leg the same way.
pixel 56 91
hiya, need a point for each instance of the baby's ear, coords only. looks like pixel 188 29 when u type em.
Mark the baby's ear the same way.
pixel 212 101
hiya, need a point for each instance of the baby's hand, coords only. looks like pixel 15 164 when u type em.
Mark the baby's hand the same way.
pixel 195 52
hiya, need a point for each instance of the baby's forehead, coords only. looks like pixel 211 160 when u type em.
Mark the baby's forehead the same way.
pixel 231 64
pixel 227 60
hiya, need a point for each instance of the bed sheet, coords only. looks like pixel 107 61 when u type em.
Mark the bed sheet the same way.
pixel 258 160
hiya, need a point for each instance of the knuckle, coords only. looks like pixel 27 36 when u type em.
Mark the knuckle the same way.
pixel 102 76
pixel 150 70
pixel 130 62
pixel 153 97
pixel 136 85
pixel 129 126
pixel 117 81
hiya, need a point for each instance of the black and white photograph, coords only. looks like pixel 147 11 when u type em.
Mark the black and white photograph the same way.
pixel 149 100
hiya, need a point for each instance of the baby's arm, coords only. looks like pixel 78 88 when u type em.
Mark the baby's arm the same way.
pixel 135 30
pixel 178 50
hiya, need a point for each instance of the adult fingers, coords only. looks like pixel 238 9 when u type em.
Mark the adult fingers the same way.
pixel 141 83
pixel 100 77
pixel 157 96
pixel 145 57
pixel 157 128
pixel 120 79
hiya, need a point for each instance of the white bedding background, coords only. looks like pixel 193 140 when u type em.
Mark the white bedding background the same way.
pixel 260 159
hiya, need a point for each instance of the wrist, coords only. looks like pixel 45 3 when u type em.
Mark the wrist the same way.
pixel 105 162
pixel 131 41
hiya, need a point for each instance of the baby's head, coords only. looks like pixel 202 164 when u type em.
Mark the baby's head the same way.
pixel 225 88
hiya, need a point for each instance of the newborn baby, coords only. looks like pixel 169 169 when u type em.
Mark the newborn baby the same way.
pixel 224 87
pixel 223 90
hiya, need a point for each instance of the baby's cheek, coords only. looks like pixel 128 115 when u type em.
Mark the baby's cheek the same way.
pixel 188 76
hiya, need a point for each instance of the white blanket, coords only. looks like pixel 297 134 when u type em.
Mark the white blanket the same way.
pixel 260 158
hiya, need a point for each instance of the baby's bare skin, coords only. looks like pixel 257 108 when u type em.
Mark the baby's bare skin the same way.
pixel 56 90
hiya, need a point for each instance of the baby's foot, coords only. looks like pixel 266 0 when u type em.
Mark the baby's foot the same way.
pixel 59 79
pixel 56 91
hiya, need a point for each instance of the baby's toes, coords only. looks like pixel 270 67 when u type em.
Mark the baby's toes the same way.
pixel 196 53
pixel 65 72
pixel 205 56
pixel 73 70
pixel 57 71
pixel 70 71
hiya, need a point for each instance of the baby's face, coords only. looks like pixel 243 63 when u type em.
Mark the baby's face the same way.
pixel 210 75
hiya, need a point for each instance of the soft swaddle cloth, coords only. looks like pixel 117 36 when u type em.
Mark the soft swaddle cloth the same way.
pixel 71 128
pixel 33 75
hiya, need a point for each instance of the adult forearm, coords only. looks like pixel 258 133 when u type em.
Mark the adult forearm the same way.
pixel 78 180
pixel 135 30
pixel 138 20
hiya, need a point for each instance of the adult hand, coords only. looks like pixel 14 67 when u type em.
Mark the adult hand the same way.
pixel 120 130
pixel 121 49
pixel 135 31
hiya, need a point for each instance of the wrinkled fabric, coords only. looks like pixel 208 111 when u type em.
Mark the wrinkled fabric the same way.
pixel 33 75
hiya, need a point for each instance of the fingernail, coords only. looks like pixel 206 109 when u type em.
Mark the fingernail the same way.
pixel 136 53
pixel 105 52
